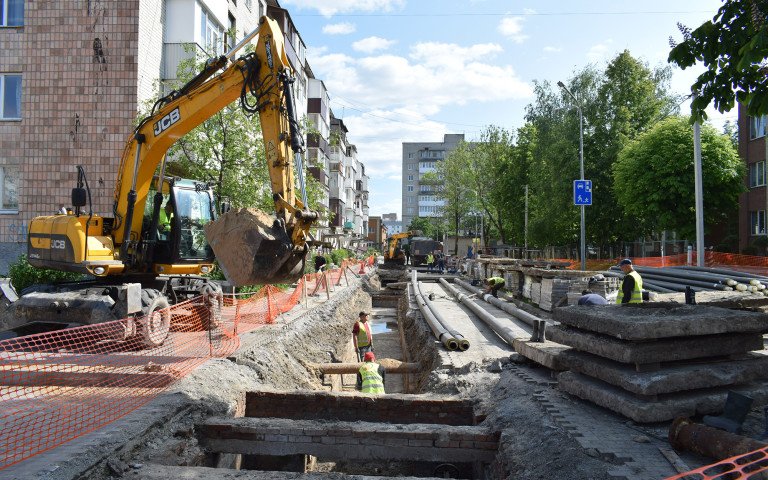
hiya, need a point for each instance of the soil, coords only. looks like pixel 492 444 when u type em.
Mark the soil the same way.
pixel 504 385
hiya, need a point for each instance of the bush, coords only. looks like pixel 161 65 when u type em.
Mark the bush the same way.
pixel 23 275
pixel 338 255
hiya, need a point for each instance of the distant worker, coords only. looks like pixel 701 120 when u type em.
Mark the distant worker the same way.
pixel 589 298
pixel 164 221
pixel 430 261
pixel 493 285
pixel 370 377
pixel 361 336
pixel 320 262
pixel 440 261
pixel 407 253
pixel 631 290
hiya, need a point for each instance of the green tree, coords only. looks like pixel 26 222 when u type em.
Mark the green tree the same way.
pixel 454 189
pixel 733 47
pixel 426 226
pixel 654 177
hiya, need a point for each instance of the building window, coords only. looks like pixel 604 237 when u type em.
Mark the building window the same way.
pixel 10 99
pixel 757 126
pixel 411 210
pixel 757 222
pixel 11 13
pixel 9 194
pixel 756 174
pixel 410 188
pixel 410 178
pixel 410 166
pixel 411 155
pixel 211 33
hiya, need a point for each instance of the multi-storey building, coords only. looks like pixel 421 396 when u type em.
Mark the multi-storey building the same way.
pixel 348 184
pixel 318 149
pixel 753 203
pixel 73 76
pixel 377 232
pixel 419 197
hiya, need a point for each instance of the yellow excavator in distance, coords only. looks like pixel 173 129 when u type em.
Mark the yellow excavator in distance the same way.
pixel 151 252
pixel 395 254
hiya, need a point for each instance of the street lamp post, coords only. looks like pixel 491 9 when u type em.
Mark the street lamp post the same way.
pixel 581 168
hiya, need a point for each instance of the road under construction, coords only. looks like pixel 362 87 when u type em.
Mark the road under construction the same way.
pixel 476 387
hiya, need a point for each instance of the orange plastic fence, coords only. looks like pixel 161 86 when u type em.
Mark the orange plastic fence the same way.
pixel 57 386
pixel 749 263
pixel 748 465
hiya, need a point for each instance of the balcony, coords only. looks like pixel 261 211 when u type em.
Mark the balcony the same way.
pixel 176 53
pixel 319 174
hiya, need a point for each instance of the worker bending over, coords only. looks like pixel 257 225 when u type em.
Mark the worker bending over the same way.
pixel 631 290
pixel 493 285
pixel 370 378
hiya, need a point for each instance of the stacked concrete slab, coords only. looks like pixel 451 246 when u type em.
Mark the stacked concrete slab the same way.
pixel 655 361
pixel 602 287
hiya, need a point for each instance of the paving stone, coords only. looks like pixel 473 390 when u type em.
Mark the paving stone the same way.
pixel 650 321
pixel 667 350
pixel 663 407
pixel 670 378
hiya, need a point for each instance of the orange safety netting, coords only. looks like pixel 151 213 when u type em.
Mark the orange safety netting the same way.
pixel 57 386
pixel 748 465
pixel 735 261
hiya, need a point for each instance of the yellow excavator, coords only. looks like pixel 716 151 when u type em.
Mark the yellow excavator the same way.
pixel 395 254
pixel 151 253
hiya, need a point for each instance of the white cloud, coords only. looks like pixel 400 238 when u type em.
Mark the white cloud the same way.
pixel 549 49
pixel 600 51
pixel 339 28
pixel 329 8
pixel 372 44
pixel 529 11
pixel 512 28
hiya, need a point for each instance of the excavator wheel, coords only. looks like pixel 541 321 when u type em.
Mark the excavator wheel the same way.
pixel 156 322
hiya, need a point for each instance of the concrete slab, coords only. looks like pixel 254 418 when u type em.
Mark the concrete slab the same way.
pixel 163 472
pixel 666 350
pixel 650 321
pixel 545 353
pixel 756 302
pixel 661 409
pixel 671 378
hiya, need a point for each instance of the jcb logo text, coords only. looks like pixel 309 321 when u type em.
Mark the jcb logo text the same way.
pixel 168 120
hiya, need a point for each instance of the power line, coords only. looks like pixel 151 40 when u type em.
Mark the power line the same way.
pixel 507 14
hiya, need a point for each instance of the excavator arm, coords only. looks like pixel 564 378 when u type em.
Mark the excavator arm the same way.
pixel 262 80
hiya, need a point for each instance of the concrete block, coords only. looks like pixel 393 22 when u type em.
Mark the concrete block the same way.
pixel 662 408
pixel 666 350
pixel 670 378
pixel 651 321
pixel 544 353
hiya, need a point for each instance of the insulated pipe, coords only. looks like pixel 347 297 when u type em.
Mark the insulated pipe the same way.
pixel 676 287
pixel 437 328
pixel 501 330
pixel 390 364
pixel 506 306
pixel 710 442
pixel 689 275
pixel 723 271
pixel 463 342
pixel 656 288
pixel 682 282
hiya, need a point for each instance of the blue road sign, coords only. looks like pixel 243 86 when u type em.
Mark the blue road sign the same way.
pixel 582 192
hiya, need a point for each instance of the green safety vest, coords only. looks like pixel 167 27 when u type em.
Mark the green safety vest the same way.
pixel 496 280
pixel 637 293
pixel 372 381
pixel 430 258
pixel 362 335
pixel 164 220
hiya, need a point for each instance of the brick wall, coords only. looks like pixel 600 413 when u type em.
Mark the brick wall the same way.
pixel 78 60
pixel 402 409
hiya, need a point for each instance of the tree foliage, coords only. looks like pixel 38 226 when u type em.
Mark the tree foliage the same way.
pixel 654 177
pixel 733 47
pixel 426 226
pixel 452 186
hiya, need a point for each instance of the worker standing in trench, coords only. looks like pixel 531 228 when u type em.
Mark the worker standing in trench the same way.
pixel 362 337
pixel 370 377
pixel 631 290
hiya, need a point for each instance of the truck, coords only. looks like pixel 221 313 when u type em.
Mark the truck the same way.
pixel 420 247
pixel 154 250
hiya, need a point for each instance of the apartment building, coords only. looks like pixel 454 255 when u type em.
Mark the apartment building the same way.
pixel 318 149
pixel 377 232
pixel 753 203
pixel 74 74
pixel 348 184
pixel 419 198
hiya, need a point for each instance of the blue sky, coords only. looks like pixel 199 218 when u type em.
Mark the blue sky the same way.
pixel 410 71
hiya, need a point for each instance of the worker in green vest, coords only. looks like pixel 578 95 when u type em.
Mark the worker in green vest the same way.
pixel 361 336
pixel 631 290
pixel 370 377
pixel 493 285
pixel 430 261
pixel 164 221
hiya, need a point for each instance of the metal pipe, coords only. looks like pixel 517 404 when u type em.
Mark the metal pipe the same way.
pixel 708 441
pixel 390 364
pixel 506 306
pixel 501 330
pixel 463 342
pixel 437 328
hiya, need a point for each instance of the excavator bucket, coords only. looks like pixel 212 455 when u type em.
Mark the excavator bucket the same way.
pixel 253 248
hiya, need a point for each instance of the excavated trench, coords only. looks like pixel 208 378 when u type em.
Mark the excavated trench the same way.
pixel 269 407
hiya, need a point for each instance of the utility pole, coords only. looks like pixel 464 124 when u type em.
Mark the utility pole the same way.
pixel 525 236
pixel 699 193
pixel 583 235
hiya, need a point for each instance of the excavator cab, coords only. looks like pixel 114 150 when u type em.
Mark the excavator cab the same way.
pixel 186 207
